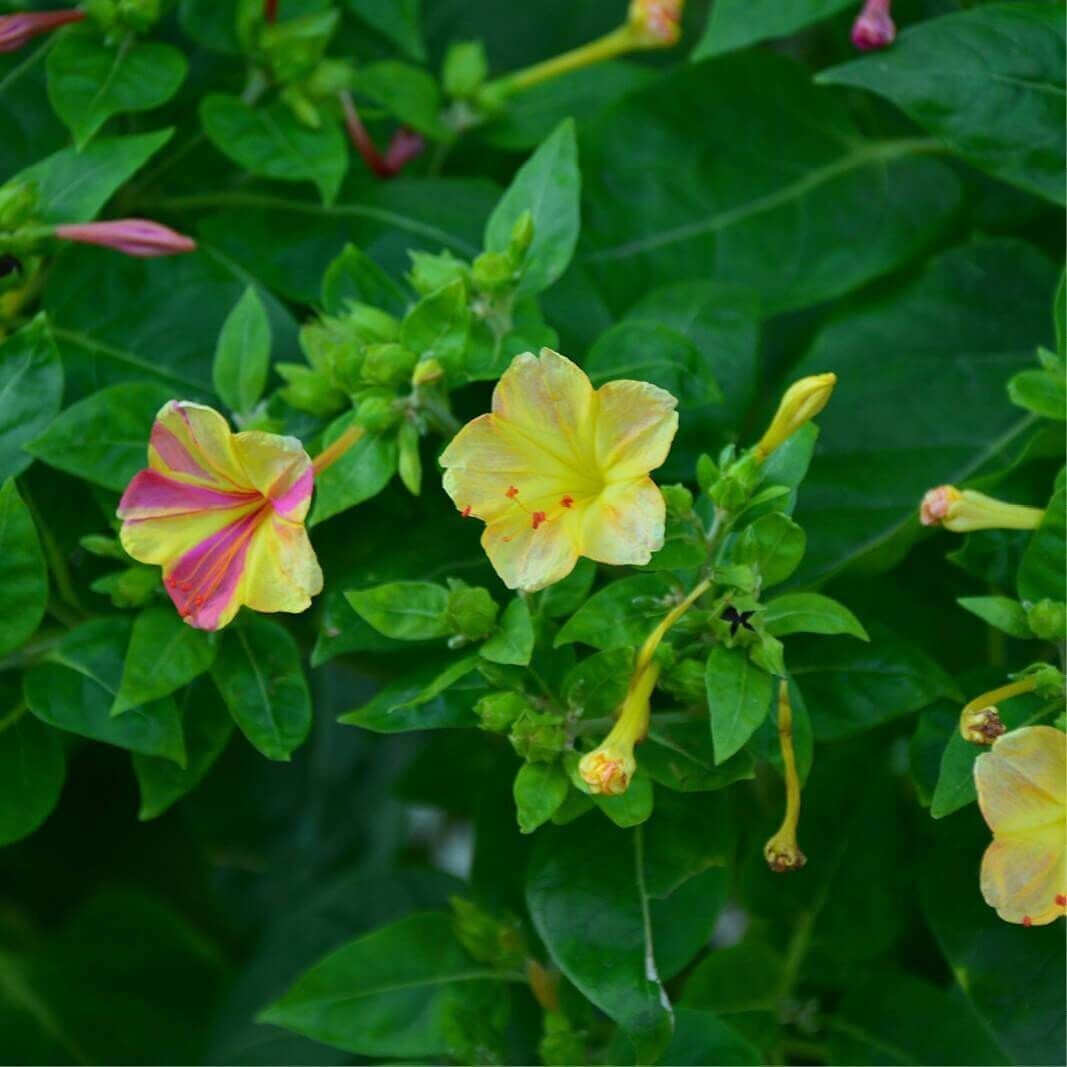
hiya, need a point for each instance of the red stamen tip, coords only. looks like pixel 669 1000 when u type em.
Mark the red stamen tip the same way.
pixel 1027 921
pixel 466 512
pixel 512 492
pixel 567 501
pixel 1061 900
pixel 538 518
pixel 198 600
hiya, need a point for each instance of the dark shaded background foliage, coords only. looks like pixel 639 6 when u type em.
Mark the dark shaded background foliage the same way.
pixel 923 282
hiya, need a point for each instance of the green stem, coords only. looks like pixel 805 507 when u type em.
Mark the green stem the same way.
pixel 12 717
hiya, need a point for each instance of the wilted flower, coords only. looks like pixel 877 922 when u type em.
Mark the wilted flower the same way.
pixel 223 514
pixel 802 401
pixel 135 237
pixel 18 30
pixel 559 470
pixel 1021 791
pixel 782 852
pixel 968 510
pixel 874 27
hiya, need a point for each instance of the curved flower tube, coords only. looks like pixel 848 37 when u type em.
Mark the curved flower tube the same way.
pixel 559 470
pixel 223 514
pixel 1021 785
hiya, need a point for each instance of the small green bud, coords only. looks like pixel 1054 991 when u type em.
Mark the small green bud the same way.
pixel 522 235
pixel 388 364
pixel 103 546
pixel 131 588
pixel 138 15
pixel 679 501
pixel 371 324
pixel 427 371
pixel 408 460
pixel 1048 619
pixel 1048 680
pixel 430 273
pixel 378 411
pixel 685 681
pixel 18 201
pixel 492 271
pixel 539 736
pixel 497 712
pixel 707 473
pixel 471 611
pixel 310 391
pixel 465 69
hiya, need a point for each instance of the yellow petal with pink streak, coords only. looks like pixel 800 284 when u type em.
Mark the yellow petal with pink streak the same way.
pixel 281 570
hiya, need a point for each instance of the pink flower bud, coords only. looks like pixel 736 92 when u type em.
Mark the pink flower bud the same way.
pixel 18 30
pixel 405 146
pixel 874 28
pixel 135 237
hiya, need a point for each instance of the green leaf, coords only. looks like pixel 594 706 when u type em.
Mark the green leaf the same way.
pixel 921 347
pixel 361 473
pixel 354 277
pixel 103 438
pixel 1059 315
pixel 89 81
pixel 242 356
pixel 568 595
pixel 735 24
pixel 648 352
pixel 1000 612
pixel 389 993
pixel 596 685
pixel 851 689
pixel 758 159
pixel 680 757
pixel 739 696
pixel 438 326
pixel 1040 391
pixel 75 691
pixel 988 82
pixel 396 20
pixel 773 544
pixel 406 611
pixel 621 614
pixel 163 655
pixel 33 769
pixel 540 788
pixel 271 143
pixel 258 673
pixel 701 1037
pixel 810 613
pixel 632 807
pixel 72 185
pixel 1041 572
pixel 208 728
pixel 31 391
pixel 513 641
pixel 408 93
pixel 23 576
pixel 548 185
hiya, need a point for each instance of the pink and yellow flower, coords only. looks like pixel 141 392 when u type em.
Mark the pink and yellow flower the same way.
pixel 559 470
pixel 223 514
pixel 1021 783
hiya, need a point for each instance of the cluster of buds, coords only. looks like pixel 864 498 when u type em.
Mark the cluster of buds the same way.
pixel 967 510
pixel 538 736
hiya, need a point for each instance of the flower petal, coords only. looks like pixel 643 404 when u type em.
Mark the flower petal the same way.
pixel 1024 874
pixel 624 524
pixel 528 558
pixel 634 430
pixel 278 468
pixel 191 442
pixel 282 572
pixel 1021 780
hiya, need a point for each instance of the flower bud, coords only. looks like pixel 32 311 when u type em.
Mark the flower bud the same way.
pixel 497 712
pixel 430 273
pixel 427 371
pixel 370 323
pixel 465 69
pixel 19 30
pixel 134 237
pixel 1048 620
pixel 388 364
pixel 403 147
pixel 492 271
pixel 802 401
pixel 131 588
pixel 378 411
pixel 522 235
pixel 309 390
pixel 18 201
pixel 981 726
pixel 138 15
pixel 874 27
pixel 409 459
pixel 963 512
pixel 679 501
pixel 471 611
pixel 539 736
pixel 655 23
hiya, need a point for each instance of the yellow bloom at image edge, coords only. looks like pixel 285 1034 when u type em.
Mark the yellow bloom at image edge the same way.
pixel 1021 785
pixel 223 514
pixel 559 470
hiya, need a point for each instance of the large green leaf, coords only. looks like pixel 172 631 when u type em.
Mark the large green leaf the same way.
pixel 258 672
pixel 989 82
pixel 389 993
pixel 739 698
pixel 621 614
pixel 31 390
pixel 242 356
pixel 396 20
pixel 23 577
pixel 272 143
pixel 89 81
pixel 760 179
pixel 361 473
pixel 1041 571
pixel 736 24
pixel 940 349
pixel 548 185
pixel 73 186
pixel 33 769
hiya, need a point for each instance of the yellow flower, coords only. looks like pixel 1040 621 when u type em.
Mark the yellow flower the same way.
pixel 802 401
pixel 559 470
pixel 1021 790
pixel 223 514
pixel 962 512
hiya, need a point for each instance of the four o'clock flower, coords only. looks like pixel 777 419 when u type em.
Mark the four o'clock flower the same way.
pixel 1021 785
pixel 559 470
pixel 874 27
pixel 19 30
pixel 963 511
pixel 223 514
pixel 135 237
